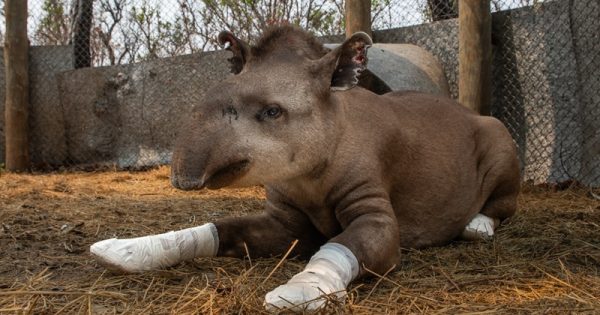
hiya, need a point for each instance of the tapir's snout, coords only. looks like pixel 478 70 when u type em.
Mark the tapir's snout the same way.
pixel 190 159
pixel 184 176
pixel 208 161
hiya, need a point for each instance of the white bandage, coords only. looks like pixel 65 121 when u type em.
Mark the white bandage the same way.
pixel 328 272
pixel 481 227
pixel 157 251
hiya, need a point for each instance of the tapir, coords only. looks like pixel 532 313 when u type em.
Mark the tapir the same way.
pixel 351 175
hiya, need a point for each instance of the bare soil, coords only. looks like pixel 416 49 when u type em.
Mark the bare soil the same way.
pixel 545 260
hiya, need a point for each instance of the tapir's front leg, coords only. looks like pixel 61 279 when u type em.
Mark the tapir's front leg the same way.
pixel 268 234
pixel 370 239
pixel 370 232
pixel 261 235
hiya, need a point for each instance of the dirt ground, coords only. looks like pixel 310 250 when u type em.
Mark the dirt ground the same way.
pixel 545 260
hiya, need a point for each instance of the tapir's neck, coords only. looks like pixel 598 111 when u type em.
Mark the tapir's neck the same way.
pixel 312 184
pixel 338 123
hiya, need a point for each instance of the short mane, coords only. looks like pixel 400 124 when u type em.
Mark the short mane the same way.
pixel 288 38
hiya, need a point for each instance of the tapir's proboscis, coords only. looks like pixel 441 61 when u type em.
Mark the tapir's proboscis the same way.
pixel 353 176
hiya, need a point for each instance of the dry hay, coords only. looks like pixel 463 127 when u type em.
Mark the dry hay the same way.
pixel 545 260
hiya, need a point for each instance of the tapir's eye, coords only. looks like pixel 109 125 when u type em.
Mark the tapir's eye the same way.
pixel 269 112
pixel 273 112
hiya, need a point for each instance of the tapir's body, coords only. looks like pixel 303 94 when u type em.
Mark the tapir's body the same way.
pixel 436 162
pixel 416 167
pixel 352 175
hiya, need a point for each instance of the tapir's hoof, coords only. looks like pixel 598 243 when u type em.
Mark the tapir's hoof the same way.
pixel 136 254
pixel 300 298
pixel 114 256
pixel 480 228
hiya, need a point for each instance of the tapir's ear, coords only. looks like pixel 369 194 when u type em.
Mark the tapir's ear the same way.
pixel 345 63
pixel 238 47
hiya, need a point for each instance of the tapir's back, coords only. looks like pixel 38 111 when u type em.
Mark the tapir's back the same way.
pixel 435 155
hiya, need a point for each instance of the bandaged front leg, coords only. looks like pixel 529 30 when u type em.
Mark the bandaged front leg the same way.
pixel 157 251
pixel 326 276
pixel 481 227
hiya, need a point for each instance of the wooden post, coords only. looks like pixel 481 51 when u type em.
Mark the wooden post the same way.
pixel 475 54
pixel 16 63
pixel 358 17
pixel 81 25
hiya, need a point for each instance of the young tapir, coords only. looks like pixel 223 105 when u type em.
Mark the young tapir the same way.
pixel 353 176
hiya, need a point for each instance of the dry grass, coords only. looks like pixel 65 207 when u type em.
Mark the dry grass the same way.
pixel 546 260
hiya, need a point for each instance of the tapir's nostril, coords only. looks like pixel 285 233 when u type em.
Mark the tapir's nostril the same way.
pixel 186 183
pixel 182 181
pixel 174 180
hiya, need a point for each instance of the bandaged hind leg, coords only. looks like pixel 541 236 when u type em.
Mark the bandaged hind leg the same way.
pixel 326 276
pixel 481 227
pixel 157 251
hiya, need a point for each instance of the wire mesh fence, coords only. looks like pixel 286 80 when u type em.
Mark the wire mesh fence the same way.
pixel 548 64
pixel 125 63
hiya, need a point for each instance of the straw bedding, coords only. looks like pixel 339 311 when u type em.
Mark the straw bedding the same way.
pixel 545 260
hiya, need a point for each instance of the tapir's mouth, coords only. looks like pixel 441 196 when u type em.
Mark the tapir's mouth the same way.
pixel 227 174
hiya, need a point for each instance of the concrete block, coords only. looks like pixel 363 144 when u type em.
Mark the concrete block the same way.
pixel 406 67
pixel 128 115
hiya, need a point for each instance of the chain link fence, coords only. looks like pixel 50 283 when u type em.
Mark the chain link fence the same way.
pixel 547 91
pixel 546 76
pixel 107 96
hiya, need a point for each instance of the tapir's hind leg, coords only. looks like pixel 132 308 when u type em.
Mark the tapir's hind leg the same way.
pixel 501 204
pixel 495 210
pixel 501 183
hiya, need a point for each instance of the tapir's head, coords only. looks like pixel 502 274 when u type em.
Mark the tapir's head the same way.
pixel 274 119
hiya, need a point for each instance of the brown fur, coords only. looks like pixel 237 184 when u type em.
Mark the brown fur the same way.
pixel 374 173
